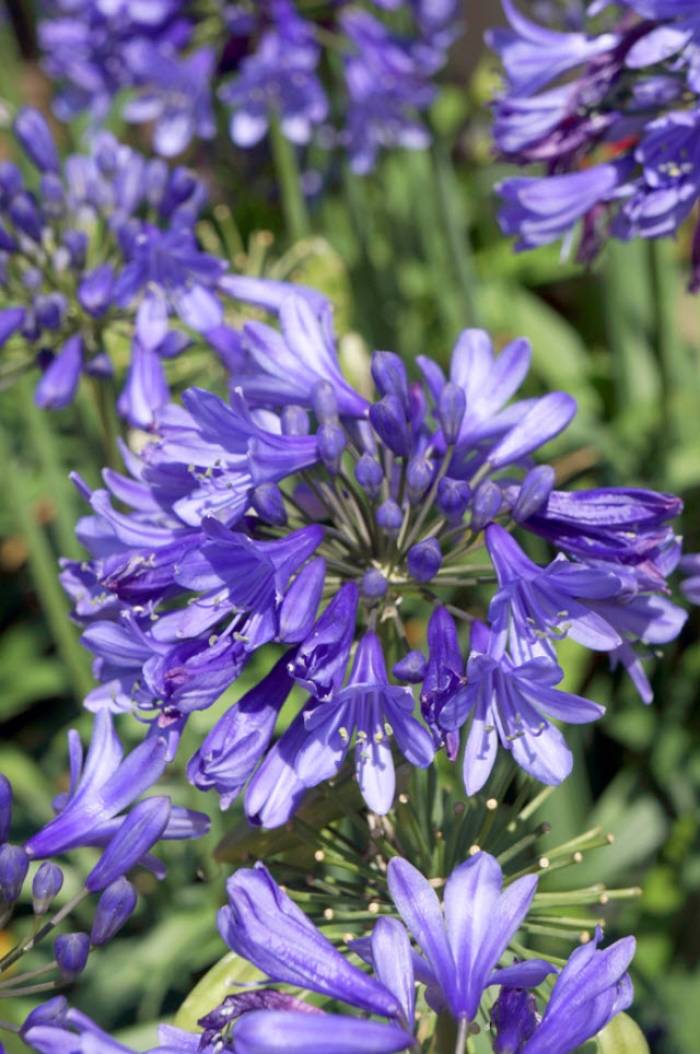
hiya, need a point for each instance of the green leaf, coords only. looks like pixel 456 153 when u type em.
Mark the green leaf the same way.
pixel 622 1036
pixel 213 988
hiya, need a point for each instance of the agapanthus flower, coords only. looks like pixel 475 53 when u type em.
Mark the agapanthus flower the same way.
pixel 105 242
pixel 273 60
pixel 99 811
pixel 612 116
pixel 302 514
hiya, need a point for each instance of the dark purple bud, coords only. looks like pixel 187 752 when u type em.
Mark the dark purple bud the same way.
pixel 369 475
pixel 71 953
pixel 58 386
pixel 181 186
pixel 486 504
pixel 451 406
pixel 49 310
pixel 534 492
pixel 268 502
pixel 95 290
pixel 25 215
pixel 36 140
pixel 324 402
pixel 411 668
pixel 300 604
pixel 5 808
pixel 46 884
pixel 389 516
pixel 374 584
pixel 11 318
pixel 390 423
pixel 14 864
pixel 389 375
pixel 295 421
pixel 52 194
pixel 76 243
pixel 113 909
pixel 10 180
pixel 514 1017
pixel 8 243
pixel 419 476
pixel 331 444
pixel 453 498
pixel 137 834
pixel 424 559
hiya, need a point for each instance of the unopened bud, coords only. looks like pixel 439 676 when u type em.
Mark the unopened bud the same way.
pixel 453 497
pixel 331 444
pixel 424 560
pixel 268 502
pixel 486 504
pixel 14 864
pixel 411 668
pixel 5 808
pixel 71 952
pixel 114 907
pixel 374 584
pixel 451 406
pixel 534 492
pixel 324 403
pixel 389 374
pixel 389 421
pixel 419 476
pixel 295 421
pixel 369 475
pixel 389 516
pixel 46 884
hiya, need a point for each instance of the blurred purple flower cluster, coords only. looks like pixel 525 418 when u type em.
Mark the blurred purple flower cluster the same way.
pixel 266 60
pixel 612 116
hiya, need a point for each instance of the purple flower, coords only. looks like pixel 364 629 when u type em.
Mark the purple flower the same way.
pixel 263 925
pixel 464 940
pixel 690 565
pixel 591 989
pixel 513 703
pixel 370 711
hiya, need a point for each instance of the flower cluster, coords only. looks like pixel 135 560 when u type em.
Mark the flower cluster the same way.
pixel 460 949
pixel 101 252
pixel 612 115
pixel 302 514
pixel 99 811
pixel 267 57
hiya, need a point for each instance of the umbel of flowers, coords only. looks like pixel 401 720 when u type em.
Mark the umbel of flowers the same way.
pixel 262 59
pixel 612 117
pixel 299 515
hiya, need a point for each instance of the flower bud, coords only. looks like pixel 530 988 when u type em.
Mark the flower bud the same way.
pixel 59 383
pixel 36 140
pixel 52 195
pixel 369 475
pixel 424 559
pixel 24 213
pixel 5 808
pixel 8 242
pixel 374 584
pixel 46 884
pixel 95 290
pixel 331 444
pixel 453 498
pixel 451 407
pixel 514 1018
pixel 71 952
pixel 300 604
pixel 389 516
pixel 486 504
pixel 100 365
pixel 411 668
pixel 268 502
pixel 534 492
pixel 113 909
pixel 324 402
pixel 14 864
pixel 389 374
pixel 389 422
pixel 11 318
pixel 295 421
pixel 10 180
pixel 76 243
pixel 141 829
pixel 419 476
pixel 50 310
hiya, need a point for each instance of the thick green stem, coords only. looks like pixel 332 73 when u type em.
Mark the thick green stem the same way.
pixel 289 178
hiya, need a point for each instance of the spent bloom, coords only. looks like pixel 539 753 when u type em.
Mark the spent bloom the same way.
pixel 299 513
pixel 612 117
